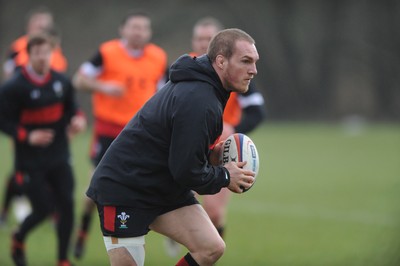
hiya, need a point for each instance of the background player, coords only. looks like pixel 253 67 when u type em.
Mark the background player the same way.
pixel 122 75
pixel 242 114
pixel 37 106
pixel 39 20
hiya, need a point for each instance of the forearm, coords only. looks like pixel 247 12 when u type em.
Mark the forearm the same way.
pixel 84 83
pixel 19 133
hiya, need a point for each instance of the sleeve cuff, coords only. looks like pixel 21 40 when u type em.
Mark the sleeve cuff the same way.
pixel 227 177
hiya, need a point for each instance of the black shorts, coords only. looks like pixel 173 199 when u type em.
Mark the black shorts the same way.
pixel 132 222
pixel 99 147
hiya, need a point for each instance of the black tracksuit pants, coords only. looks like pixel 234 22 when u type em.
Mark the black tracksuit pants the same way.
pixel 51 190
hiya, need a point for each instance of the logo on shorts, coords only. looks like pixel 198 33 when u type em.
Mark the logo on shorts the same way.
pixel 123 217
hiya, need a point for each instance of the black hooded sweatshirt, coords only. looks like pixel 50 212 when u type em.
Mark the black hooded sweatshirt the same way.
pixel 162 153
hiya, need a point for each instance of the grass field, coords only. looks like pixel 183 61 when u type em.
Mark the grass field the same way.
pixel 326 195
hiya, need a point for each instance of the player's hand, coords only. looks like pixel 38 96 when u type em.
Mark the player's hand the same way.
pixel 240 178
pixel 111 89
pixel 78 124
pixel 228 130
pixel 41 137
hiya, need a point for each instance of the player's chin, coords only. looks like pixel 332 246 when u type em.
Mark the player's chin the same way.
pixel 243 88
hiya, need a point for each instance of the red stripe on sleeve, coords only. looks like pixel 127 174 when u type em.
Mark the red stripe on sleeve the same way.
pixel 109 218
pixel 22 134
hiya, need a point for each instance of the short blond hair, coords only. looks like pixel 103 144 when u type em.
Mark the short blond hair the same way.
pixel 223 43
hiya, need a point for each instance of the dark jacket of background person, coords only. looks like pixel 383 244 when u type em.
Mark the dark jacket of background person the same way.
pixel 26 105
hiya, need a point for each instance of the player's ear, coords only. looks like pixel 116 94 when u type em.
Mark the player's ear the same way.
pixel 220 61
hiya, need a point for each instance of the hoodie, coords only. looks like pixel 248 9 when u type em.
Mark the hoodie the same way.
pixel 161 156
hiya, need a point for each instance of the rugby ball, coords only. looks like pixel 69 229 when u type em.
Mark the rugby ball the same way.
pixel 239 148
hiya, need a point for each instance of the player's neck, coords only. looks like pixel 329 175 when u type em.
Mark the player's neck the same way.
pixel 132 51
pixel 35 75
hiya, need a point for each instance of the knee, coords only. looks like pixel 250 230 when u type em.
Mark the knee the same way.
pixel 212 252
pixel 218 250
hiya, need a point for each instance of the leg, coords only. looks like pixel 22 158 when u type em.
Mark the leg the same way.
pixel 216 207
pixel 8 195
pixel 86 219
pixel 125 251
pixel 191 226
pixel 99 145
pixel 88 209
pixel 38 194
pixel 39 197
pixel 13 188
pixel 62 183
pixel 121 257
pixel 124 233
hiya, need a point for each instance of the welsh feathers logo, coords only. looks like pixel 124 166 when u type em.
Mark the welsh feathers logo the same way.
pixel 58 88
pixel 35 94
pixel 123 217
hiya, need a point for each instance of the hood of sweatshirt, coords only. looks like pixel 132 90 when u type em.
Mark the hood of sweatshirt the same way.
pixel 187 68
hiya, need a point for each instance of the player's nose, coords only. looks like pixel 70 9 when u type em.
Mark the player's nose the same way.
pixel 253 70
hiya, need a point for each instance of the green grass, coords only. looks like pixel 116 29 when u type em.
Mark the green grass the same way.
pixel 324 196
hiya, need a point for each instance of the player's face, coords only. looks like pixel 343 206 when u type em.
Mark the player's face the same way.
pixel 202 36
pixel 137 32
pixel 241 67
pixel 39 58
pixel 39 23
